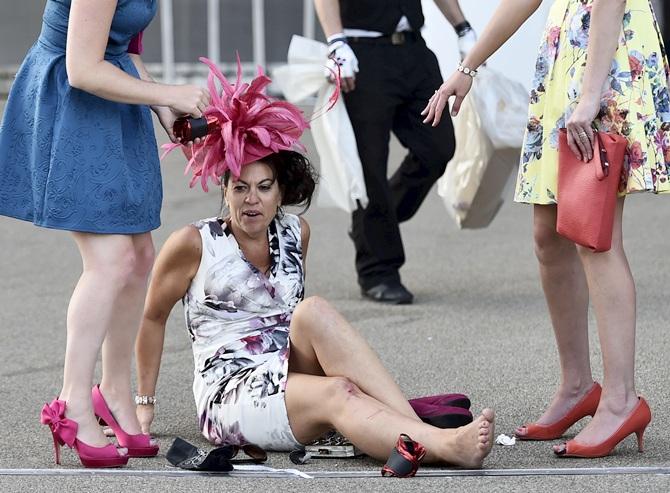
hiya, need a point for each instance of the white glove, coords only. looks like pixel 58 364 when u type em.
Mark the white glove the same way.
pixel 341 54
pixel 466 41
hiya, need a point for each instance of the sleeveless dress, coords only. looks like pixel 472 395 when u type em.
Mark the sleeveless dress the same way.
pixel 238 321
pixel 635 99
pixel 71 160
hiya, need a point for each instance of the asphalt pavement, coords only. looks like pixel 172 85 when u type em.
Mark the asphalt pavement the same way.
pixel 479 325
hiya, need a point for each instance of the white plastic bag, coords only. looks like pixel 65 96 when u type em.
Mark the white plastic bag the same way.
pixel 502 106
pixel 489 133
pixel 342 184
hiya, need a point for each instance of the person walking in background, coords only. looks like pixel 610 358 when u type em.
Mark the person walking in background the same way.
pixel 388 74
pixel 78 153
pixel 602 63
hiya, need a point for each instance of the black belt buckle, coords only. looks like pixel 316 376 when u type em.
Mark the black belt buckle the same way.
pixel 398 38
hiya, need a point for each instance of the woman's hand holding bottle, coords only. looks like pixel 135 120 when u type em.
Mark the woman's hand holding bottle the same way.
pixel 188 99
pixel 167 116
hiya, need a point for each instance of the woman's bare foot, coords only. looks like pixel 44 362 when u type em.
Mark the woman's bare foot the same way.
pixel 468 445
pixel 564 400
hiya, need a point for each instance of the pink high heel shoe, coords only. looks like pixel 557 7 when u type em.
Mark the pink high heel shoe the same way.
pixel 138 445
pixel 64 432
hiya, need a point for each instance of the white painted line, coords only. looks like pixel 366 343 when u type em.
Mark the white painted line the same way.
pixel 370 473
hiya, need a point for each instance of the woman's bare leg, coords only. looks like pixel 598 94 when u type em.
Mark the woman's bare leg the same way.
pixel 316 404
pixel 612 292
pixel 117 348
pixel 567 295
pixel 324 343
pixel 110 266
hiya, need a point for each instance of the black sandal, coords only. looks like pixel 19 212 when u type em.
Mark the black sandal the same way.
pixel 184 455
pixel 405 458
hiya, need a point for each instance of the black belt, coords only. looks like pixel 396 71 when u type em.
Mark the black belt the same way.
pixel 396 38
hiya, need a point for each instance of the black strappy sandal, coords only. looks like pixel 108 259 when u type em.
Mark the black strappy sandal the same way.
pixel 405 458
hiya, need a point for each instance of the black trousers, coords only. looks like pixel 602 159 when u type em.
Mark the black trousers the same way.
pixel 392 88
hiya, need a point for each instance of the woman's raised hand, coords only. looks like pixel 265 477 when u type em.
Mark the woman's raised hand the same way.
pixel 189 99
pixel 457 85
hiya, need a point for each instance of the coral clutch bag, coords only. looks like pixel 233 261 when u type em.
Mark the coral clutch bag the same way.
pixel 587 192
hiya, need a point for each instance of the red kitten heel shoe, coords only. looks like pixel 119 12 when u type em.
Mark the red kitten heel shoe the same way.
pixel 64 432
pixel 587 406
pixel 138 445
pixel 636 422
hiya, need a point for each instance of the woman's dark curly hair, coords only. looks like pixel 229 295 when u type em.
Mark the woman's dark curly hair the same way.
pixel 295 176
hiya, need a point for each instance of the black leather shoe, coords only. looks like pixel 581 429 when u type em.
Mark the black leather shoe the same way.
pixel 392 293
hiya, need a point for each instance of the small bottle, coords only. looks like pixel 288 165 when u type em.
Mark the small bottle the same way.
pixel 187 129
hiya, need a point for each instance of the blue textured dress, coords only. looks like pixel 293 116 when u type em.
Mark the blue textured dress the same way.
pixel 71 160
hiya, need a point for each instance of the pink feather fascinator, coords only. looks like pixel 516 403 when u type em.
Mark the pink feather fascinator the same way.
pixel 250 126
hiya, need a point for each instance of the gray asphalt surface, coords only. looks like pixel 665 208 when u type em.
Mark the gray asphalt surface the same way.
pixel 479 326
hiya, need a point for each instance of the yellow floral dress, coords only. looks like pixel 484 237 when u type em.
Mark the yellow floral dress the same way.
pixel 635 100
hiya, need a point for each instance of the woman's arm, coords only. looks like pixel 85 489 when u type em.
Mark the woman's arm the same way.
pixel 165 114
pixel 174 270
pixel 304 241
pixel 603 42
pixel 87 69
pixel 507 19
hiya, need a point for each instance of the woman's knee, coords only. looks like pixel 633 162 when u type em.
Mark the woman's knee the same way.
pixel 341 391
pixel 310 312
pixel 122 261
pixel 323 404
pixel 549 245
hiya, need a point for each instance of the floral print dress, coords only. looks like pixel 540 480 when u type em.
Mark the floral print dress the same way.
pixel 238 321
pixel 635 100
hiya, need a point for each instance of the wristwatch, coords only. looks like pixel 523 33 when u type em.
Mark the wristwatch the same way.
pixel 462 28
pixel 145 400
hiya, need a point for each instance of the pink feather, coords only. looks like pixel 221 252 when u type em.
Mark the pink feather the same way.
pixel 251 127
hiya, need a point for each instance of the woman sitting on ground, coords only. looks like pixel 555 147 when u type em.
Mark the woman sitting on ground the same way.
pixel 271 368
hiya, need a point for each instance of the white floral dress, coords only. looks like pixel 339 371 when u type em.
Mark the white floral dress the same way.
pixel 238 320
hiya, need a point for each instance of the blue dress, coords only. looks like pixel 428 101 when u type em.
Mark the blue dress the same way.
pixel 71 160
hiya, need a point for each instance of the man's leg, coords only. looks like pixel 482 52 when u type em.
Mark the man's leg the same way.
pixel 430 148
pixel 371 107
